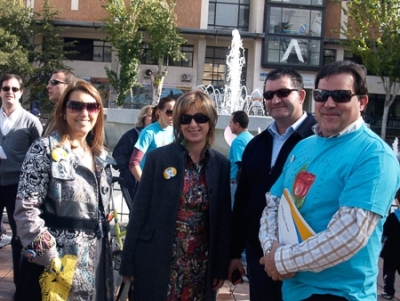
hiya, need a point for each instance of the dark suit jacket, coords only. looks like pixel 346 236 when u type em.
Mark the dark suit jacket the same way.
pixel 147 250
pixel 256 179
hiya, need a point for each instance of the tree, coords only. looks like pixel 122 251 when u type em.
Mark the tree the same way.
pixel 164 40
pixel 152 21
pixel 373 33
pixel 15 34
pixel 19 54
pixel 49 53
pixel 122 25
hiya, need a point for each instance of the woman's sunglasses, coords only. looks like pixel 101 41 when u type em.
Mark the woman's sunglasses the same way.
pixel 167 112
pixel 77 106
pixel 198 118
pixel 14 89
pixel 339 96
pixel 268 95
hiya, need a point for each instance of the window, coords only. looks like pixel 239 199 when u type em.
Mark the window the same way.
pixel 302 2
pixel 294 21
pixel 294 51
pixel 229 14
pixel 293 33
pixel 329 56
pixel 89 50
pixel 187 50
pixel 215 69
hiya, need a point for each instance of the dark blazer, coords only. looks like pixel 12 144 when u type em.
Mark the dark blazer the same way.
pixel 122 154
pixel 255 180
pixel 147 251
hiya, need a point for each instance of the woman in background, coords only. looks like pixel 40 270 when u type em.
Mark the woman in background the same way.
pixel 157 134
pixel 62 201
pixel 123 150
pixel 177 243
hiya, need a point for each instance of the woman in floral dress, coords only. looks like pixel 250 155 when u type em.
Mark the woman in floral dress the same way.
pixel 177 243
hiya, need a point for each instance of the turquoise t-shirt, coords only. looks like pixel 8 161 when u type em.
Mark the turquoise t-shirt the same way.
pixel 153 136
pixel 236 151
pixel 357 169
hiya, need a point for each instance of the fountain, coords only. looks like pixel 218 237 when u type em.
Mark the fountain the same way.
pixel 232 97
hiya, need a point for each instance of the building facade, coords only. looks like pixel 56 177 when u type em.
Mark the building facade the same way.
pixel 303 34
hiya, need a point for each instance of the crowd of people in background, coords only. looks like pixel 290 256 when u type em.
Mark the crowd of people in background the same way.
pixel 305 200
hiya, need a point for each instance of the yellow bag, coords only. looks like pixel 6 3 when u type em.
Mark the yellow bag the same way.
pixel 56 282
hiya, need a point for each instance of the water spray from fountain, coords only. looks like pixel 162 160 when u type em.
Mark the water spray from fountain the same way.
pixel 234 96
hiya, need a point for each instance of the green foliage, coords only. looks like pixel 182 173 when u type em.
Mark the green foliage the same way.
pixel 125 26
pixel 20 27
pixel 49 54
pixel 15 34
pixel 373 34
pixel 122 27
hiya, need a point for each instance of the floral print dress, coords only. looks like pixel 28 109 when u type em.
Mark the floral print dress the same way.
pixel 188 273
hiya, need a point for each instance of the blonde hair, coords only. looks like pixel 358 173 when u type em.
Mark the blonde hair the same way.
pixel 205 105
pixel 142 115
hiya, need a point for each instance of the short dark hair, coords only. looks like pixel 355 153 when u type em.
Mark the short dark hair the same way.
pixel 70 76
pixel 242 118
pixel 295 77
pixel 160 106
pixel 10 76
pixel 357 71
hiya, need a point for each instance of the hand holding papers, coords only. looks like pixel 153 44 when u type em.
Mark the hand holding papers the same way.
pixel 293 229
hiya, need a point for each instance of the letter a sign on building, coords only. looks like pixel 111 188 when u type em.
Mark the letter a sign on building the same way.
pixel 295 44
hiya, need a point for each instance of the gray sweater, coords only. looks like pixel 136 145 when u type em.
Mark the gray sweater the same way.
pixel 16 144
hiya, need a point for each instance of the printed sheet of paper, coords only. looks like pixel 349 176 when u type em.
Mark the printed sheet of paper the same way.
pixel 293 229
pixel 2 153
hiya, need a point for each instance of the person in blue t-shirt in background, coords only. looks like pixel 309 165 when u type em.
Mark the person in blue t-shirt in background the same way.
pixel 238 124
pixel 157 134
pixel 391 250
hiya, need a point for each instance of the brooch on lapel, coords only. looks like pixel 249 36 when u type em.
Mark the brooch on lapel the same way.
pixel 169 172
pixel 58 154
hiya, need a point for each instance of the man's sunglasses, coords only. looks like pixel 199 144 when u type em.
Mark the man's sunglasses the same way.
pixel 268 95
pixel 167 112
pixel 339 96
pixel 77 106
pixel 55 82
pixel 198 118
pixel 14 89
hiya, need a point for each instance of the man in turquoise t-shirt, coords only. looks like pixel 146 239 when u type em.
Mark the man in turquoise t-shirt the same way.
pixel 238 124
pixel 342 182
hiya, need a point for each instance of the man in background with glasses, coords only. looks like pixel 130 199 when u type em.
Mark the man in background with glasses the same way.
pixel 56 86
pixel 339 184
pixel 262 163
pixel 18 130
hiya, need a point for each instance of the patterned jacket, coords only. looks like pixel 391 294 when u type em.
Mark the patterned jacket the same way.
pixel 58 212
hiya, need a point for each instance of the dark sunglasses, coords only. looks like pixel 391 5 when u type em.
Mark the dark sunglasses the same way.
pixel 55 82
pixel 268 95
pixel 77 106
pixel 14 89
pixel 198 118
pixel 167 112
pixel 339 96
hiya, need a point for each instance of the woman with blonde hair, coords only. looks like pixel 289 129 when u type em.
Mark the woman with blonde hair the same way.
pixel 177 243
pixel 63 198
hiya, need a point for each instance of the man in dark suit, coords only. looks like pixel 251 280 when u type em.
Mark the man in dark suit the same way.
pixel 262 164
